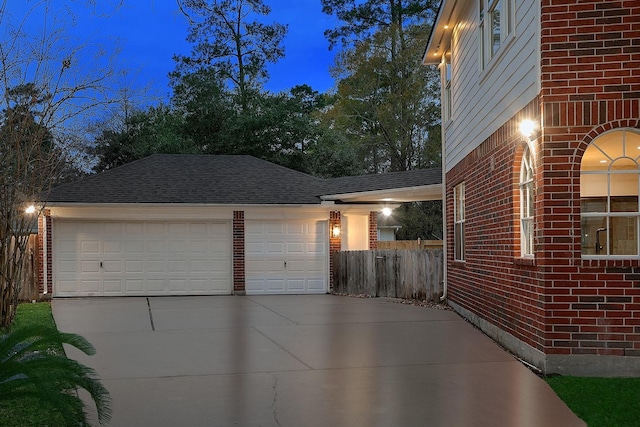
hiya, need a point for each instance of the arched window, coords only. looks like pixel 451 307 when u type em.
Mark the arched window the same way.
pixel 526 204
pixel 609 183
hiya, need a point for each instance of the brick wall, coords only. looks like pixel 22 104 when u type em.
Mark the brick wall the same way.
pixel 557 302
pixel 335 242
pixel 373 230
pixel 494 282
pixel 590 54
pixel 238 253
pixel 45 257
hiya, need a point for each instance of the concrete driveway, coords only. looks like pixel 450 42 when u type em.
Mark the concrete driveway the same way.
pixel 302 361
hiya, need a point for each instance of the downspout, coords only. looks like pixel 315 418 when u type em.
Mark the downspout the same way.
pixel 44 254
pixel 443 162
pixel 444 222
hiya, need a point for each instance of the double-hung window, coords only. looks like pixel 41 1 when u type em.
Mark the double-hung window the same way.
pixel 609 189
pixel 526 204
pixel 494 26
pixel 458 221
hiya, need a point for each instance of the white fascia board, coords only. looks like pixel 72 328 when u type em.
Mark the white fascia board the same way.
pixel 397 195
pixel 158 211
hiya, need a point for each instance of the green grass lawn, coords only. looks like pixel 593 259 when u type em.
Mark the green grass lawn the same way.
pixel 31 412
pixel 601 402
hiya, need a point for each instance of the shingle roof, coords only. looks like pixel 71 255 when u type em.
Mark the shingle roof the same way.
pixel 198 179
pixel 221 179
pixel 385 181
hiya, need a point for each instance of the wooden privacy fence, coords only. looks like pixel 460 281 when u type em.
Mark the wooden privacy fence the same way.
pixel 29 290
pixel 396 273
pixel 410 244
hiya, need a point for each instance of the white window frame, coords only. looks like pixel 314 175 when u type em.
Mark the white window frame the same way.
pixel 597 240
pixel 527 204
pixel 458 222
pixel 491 38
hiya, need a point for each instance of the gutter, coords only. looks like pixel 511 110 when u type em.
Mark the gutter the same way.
pixel 444 215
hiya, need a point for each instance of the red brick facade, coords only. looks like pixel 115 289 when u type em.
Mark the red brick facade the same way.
pixel 373 230
pixel 557 302
pixel 45 263
pixel 335 242
pixel 238 253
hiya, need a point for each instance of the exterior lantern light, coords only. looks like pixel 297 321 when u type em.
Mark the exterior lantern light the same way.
pixel 336 231
pixel 31 209
pixel 528 128
pixel 386 211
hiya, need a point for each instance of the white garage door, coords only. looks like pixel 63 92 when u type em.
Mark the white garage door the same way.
pixel 141 258
pixel 286 257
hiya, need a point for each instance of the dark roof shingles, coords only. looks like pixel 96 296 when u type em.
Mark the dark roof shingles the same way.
pixel 221 179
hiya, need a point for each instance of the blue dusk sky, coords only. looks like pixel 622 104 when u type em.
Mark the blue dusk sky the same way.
pixel 147 33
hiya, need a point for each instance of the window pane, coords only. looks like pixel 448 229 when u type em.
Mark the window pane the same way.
pixel 593 204
pixel 594 159
pixel 459 240
pixel 624 204
pixel 593 235
pixel 633 144
pixel 495 29
pixel 623 238
pixel 624 184
pixel 612 144
pixel 527 236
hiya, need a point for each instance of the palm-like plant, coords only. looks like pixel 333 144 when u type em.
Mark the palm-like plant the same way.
pixel 33 365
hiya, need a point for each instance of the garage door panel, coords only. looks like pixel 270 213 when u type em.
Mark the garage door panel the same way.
pixel 177 267
pixel 112 247
pixel 89 267
pixel 316 248
pixel 316 285
pixel 134 247
pixel 155 267
pixel 133 285
pixel 277 228
pixel 134 266
pixel 90 286
pixel 295 228
pixel 156 285
pixel 68 266
pixel 67 286
pixel 112 266
pixel 90 247
pixel 295 285
pixel 113 287
pixel 287 256
pixel 177 246
pixel 254 248
pixel 295 248
pixel 141 258
pixel 66 247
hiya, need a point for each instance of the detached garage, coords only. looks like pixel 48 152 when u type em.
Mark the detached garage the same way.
pixel 209 225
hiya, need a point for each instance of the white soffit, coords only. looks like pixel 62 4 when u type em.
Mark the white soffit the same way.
pixel 409 194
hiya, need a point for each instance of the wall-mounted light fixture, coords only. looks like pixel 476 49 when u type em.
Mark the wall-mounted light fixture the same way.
pixel 31 209
pixel 335 231
pixel 529 129
pixel 386 211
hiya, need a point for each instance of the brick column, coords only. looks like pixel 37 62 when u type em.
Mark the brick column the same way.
pixel 335 242
pixel 373 230
pixel 45 259
pixel 238 253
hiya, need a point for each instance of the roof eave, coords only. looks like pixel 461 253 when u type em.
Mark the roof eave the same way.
pixel 398 195
pixel 440 36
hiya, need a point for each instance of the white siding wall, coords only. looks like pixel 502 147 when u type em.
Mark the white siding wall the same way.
pixel 484 100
